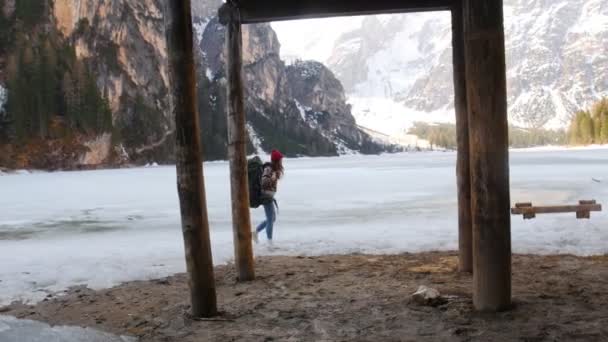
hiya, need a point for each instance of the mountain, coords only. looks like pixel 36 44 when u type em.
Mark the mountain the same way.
pixel 85 83
pixel 300 109
pixel 396 69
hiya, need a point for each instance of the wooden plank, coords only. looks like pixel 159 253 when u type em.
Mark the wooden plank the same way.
pixel 556 209
pixel 255 11
pixel 488 138
pixel 237 154
pixel 463 175
pixel 190 185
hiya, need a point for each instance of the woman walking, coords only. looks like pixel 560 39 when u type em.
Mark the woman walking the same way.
pixel 273 171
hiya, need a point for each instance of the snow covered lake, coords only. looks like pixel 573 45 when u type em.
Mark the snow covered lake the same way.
pixel 105 227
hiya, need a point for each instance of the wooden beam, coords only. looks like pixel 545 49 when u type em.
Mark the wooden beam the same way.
pixel 582 209
pixel 190 185
pixel 488 138
pixel 237 153
pixel 463 176
pixel 556 209
pixel 255 11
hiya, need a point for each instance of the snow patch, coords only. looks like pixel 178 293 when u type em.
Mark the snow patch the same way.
pixel 393 118
pixel 394 69
pixel 308 69
pixel 255 140
pixel 3 98
pixel 343 149
pixel 408 141
pixel 199 29
pixel 340 144
pixel 594 18
pixel 316 37
pixel 563 115
pixel 209 74
pixel 302 109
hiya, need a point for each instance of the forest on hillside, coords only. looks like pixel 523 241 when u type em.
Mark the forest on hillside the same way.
pixel 50 91
pixel 587 127
pixel 443 135
pixel 590 126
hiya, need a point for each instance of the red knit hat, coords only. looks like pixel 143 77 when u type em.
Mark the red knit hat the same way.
pixel 275 155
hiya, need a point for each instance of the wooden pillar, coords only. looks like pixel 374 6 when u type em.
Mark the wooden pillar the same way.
pixel 463 177
pixel 190 185
pixel 237 151
pixel 488 138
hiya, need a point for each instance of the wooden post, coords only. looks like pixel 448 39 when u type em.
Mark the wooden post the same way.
pixel 463 177
pixel 488 138
pixel 237 151
pixel 190 185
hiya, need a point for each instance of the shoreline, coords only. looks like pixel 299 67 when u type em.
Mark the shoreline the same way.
pixel 559 148
pixel 348 297
pixel 547 148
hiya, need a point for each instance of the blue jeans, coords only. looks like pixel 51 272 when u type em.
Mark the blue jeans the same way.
pixel 269 222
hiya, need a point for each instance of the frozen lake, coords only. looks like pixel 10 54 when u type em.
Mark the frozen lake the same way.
pixel 23 330
pixel 104 227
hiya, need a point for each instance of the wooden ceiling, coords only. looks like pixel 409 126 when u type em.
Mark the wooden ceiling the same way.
pixel 256 11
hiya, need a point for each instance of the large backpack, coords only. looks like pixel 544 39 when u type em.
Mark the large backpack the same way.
pixel 255 169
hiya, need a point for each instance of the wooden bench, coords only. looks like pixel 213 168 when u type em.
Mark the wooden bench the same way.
pixel 583 209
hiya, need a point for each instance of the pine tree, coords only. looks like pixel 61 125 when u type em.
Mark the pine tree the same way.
pixel 596 128
pixel 105 114
pixel 586 128
pixel 70 99
pixel 5 30
pixel 574 133
pixel 590 127
pixel 50 79
pixel 603 123
pixel 80 109
pixel 91 105
pixel 27 94
pixel 30 12
pixel 600 113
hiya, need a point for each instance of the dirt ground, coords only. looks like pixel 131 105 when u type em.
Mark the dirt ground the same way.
pixel 350 298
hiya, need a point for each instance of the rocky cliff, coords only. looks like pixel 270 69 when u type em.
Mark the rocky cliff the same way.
pixel 124 44
pixel 299 109
pixel 60 45
pixel 133 32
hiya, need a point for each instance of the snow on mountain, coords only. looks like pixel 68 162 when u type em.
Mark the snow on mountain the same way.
pixel 199 25
pixel 397 69
pixel 315 37
pixel 372 69
pixel 391 117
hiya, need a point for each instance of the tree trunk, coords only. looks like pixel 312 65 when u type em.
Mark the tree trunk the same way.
pixel 190 185
pixel 463 176
pixel 488 138
pixel 237 154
